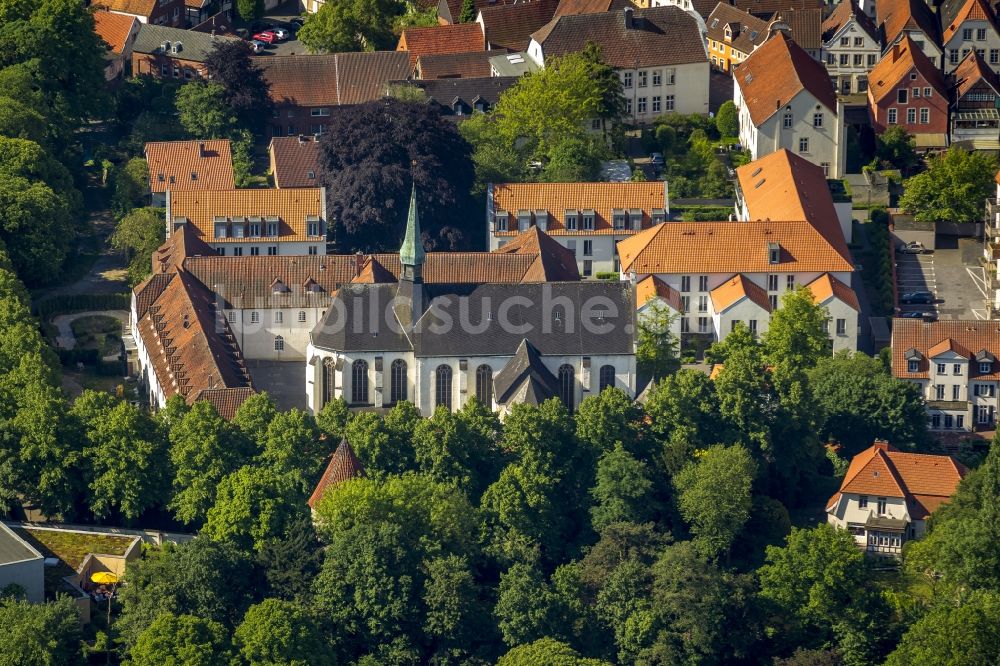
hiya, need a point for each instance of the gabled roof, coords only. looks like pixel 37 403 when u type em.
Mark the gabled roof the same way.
pixel 510 26
pixel 651 287
pixel 290 205
pixel 190 165
pixel 895 16
pixel 193 46
pixel 553 261
pixel 897 64
pixel 927 337
pixel 767 8
pixel 971 71
pixel 184 242
pixel 226 401
pixel 846 11
pixel 571 7
pixel 343 465
pixel 469 92
pixel 734 290
pixel 114 29
pixel 778 71
pixel 525 373
pixel 785 186
pixel 453 65
pixel 806 26
pixel 657 36
pixel 947 346
pixel 449 11
pixel 972 10
pixel 748 31
pixel 437 39
pixel 143 8
pixel 826 287
pixel 601 198
pixel 925 481
pixel 332 80
pixel 294 159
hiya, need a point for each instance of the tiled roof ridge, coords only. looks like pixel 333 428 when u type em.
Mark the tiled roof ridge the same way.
pixel 344 464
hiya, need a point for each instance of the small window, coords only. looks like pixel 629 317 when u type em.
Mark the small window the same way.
pixel 863 502
pixel 941 369
pixel 901 95
pixel 279 317
pixel 913 366
pixel 817 120
pixel 254 317
pixel 956 369
pixel 881 506
pixel 442 387
pixel 984 367
pixel 311 175
pixel 892 116
pixel 804 144
pixel 841 327
pixel 279 343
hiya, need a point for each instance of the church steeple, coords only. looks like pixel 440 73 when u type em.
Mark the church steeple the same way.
pixel 411 254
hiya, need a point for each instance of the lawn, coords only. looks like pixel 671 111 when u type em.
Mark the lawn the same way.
pixel 98 332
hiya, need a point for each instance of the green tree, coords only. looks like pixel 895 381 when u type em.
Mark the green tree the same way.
pixel 574 159
pixel 139 234
pixel 448 450
pixel 952 189
pixel 250 9
pixel 468 14
pixel 795 342
pixel 746 397
pixel 182 639
pixel 727 120
pixel 292 447
pixel 39 634
pixel 352 25
pixel 246 90
pixel 546 651
pixel 333 418
pixel 203 111
pixel 713 496
pixel 131 186
pixel 292 561
pixel 456 619
pixel 281 633
pixel 254 417
pixel 254 505
pixel 623 490
pixel 683 413
pixel 203 450
pixel 19 120
pixel 609 417
pixel 896 148
pixel 126 456
pixel 656 345
pixel 960 635
pixel 860 401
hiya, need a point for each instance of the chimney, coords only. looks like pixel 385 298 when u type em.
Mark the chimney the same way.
pixel 629 21
pixel 201 149
pixel 881 445
pixel 359 262
pixel 303 139
pixel 895 52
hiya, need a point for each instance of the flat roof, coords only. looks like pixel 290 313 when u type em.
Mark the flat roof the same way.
pixel 13 548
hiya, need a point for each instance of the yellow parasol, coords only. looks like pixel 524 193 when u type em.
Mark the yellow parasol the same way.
pixel 104 578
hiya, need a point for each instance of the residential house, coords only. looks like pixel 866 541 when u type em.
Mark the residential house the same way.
pixel 851 47
pixel 188 165
pixel 306 88
pixel 440 39
pixel 732 36
pixel 294 160
pixel 217 24
pixel 767 9
pixel 253 221
pixel 197 12
pixel 453 65
pixel 460 98
pixel 21 564
pixel 509 27
pixel 722 280
pixel 449 12
pixel 586 218
pixel 343 466
pixel 700 10
pixel 659 54
pixel 906 88
pixel 805 27
pixel 785 99
pixel 974 29
pixel 975 118
pixel 512 64
pixel 173 53
pixel 954 363
pixel 887 495
pixel 409 340
pixel 151 12
pixel 899 19
pixel 118 32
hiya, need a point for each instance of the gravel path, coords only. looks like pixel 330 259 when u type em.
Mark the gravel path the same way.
pixel 66 339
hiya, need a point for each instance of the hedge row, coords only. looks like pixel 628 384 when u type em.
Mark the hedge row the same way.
pixel 91 357
pixel 703 213
pixel 57 305
pixel 878 233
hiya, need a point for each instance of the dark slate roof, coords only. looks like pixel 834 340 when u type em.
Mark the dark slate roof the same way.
pixel 195 46
pixel 658 36
pixel 525 369
pixel 447 92
pixel 361 319
pixel 510 26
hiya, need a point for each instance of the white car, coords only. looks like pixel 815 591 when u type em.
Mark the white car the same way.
pixel 280 33
pixel 257 45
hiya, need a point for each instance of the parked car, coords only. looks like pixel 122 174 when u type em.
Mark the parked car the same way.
pixel 913 247
pixel 279 32
pixel 257 46
pixel 656 159
pixel 919 314
pixel 266 36
pixel 298 20
pixel 917 298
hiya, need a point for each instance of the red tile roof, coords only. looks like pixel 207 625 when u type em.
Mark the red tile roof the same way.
pixel 332 80
pixel 451 65
pixel 925 481
pixel 602 198
pixel 293 159
pixel 778 71
pixel 291 205
pixel 766 8
pixel 972 10
pixel 343 465
pixel 657 36
pixel 926 338
pixel 572 7
pixel 846 11
pixel 144 8
pixel 806 26
pixel 553 262
pixel 746 30
pixel 897 64
pixel 114 29
pixel 826 287
pixel 971 71
pixel 736 289
pixel 190 165
pixel 439 39
pixel 510 26
pixel 895 16
pixel 653 287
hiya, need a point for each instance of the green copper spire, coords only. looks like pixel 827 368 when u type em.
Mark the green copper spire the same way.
pixel 412 252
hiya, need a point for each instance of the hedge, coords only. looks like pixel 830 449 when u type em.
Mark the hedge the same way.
pixel 879 236
pixel 703 213
pixel 57 305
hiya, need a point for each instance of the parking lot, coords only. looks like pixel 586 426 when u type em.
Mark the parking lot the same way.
pixel 952 273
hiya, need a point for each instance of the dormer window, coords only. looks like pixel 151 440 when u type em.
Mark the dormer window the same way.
pixel 588 220
pixel 279 287
pixel 773 253
pixel 658 215
pixel 500 220
pixel 571 219
pixel 523 220
pixel 314 226
pixel 221 227
pixel 618 218
pixel 542 219
pixel 239 227
pixel 272 225
pixel 913 366
pixel 253 228
pixel 635 219
pixel 985 367
pixel 311 175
